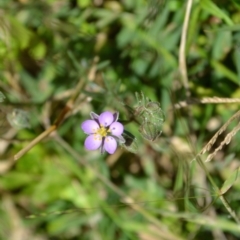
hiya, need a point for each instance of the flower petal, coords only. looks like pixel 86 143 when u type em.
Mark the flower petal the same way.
pixel 110 144
pixel 106 118
pixel 116 128
pixel 90 126
pixel 93 142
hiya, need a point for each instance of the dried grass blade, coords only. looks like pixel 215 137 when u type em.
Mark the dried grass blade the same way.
pixel 220 100
pixel 206 100
pixel 226 141
pixel 208 146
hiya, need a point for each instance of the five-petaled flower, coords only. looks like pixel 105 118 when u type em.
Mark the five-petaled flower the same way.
pixel 104 132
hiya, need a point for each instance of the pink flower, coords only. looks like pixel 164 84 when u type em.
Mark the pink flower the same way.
pixel 104 132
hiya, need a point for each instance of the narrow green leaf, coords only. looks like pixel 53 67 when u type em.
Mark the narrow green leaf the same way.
pixel 212 8
pixel 229 182
pixel 222 45
pixel 220 68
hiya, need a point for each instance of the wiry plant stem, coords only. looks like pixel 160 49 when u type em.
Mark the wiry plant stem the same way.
pixel 229 209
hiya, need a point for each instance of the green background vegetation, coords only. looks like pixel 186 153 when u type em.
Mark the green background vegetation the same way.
pixel 58 190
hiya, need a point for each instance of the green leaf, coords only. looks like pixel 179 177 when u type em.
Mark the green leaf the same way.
pixel 212 8
pixel 220 68
pixel 229 182
pixel 18 29
pixel 14 180
pixel 222 44
pixel 236 56
pixel 83 3
pixel 38 52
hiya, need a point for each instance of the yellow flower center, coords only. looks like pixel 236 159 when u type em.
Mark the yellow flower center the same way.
pixel 102 131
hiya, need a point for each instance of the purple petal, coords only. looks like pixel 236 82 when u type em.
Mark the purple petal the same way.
pixel 90 126
pixel 106 118
pixel 110 144
pixel 93 142
pixel 116 128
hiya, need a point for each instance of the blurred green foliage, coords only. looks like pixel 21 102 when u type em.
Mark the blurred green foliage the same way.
pixel 117 48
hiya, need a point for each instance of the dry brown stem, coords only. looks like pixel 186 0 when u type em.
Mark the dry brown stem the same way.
pixel 182 48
